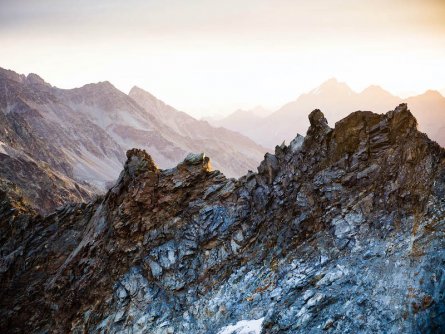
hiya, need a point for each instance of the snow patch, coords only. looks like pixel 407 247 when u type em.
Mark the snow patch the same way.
pixel 244 327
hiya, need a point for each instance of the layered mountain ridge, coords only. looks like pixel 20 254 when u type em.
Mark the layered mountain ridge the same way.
pixel 338 99
pixel 340 231
pixel 80 136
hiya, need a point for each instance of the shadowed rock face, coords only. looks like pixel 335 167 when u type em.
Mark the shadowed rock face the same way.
pixel 340 232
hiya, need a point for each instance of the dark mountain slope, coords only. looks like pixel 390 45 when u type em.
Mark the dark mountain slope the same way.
pixel 340 232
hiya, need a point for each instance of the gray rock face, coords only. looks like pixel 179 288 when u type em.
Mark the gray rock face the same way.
pixel 336 234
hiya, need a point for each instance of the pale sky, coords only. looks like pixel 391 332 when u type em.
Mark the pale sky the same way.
pixel 212 57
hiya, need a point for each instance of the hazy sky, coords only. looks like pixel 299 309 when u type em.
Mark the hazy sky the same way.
pixel 210 57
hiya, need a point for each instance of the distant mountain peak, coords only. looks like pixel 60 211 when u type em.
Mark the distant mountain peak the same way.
pixel 332 85
pixel 430 96
pixel 135 89
pixel 375 90
pixel 30 79
pixel 147 99
pixel 247 111
pixel 101 86
pixel 331 81
pixel 34 79
pixel 246 115
pixel 138 90
pixel 432 93
pixel 105 83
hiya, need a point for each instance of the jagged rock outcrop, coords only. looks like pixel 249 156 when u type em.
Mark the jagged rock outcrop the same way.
pixel 342 232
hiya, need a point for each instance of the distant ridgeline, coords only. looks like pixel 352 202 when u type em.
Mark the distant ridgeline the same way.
pixel 70 144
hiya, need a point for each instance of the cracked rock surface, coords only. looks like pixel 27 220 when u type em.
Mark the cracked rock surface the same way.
pixel 339 232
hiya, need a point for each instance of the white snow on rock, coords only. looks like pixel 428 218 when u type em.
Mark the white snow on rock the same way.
pixel 244 327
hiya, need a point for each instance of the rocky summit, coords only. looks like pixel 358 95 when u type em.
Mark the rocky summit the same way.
pixel 341 231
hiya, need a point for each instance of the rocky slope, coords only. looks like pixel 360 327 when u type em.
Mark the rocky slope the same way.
pixel 339 232
pixel 338 99
pixel 36 184
pixel 45 146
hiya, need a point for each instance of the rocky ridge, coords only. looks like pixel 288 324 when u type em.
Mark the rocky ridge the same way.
pixel 341 231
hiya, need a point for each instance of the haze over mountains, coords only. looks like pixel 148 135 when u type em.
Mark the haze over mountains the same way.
pixel 72 142
pixel 338 100
pixel 81 135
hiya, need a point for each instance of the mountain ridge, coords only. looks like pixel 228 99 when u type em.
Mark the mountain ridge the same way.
pixel 340 231
pixel 83 133
pixel 339 99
